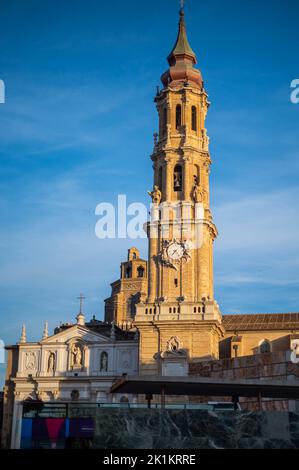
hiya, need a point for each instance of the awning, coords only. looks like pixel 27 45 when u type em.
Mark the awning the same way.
pixel 199 386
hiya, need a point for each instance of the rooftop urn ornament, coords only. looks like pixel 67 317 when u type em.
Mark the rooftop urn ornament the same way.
pixel 46 332
pixel 80 317
pixel 23 335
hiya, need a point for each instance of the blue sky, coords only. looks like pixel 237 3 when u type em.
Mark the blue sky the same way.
pixel 76 130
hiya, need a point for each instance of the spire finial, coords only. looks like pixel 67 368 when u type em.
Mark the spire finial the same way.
pixel 182 2
pixel 23 335
pixel 46 332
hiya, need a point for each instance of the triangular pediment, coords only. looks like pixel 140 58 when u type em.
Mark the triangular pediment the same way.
pixel 76 331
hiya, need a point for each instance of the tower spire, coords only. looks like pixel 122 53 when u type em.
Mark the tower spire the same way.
pixel 182 46
pixel 182 59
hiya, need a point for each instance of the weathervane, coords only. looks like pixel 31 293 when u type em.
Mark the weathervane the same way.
pixel 182 2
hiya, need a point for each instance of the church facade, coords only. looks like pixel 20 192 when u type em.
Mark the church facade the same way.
pixel 77 364
pixel 162 317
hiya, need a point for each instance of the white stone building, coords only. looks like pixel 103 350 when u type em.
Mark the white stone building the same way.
pixel 80 362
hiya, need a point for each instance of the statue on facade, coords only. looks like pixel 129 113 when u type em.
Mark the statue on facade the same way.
pixel 104 362
pixel 197 194
pixel 156 195
pixel 51 362
pixel 76 355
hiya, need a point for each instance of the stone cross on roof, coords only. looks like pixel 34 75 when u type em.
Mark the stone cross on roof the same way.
pixel 81 298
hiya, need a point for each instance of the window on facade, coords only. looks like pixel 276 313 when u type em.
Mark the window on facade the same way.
pixel 140 271
pixel 132 302
pixel 178 116
pixel 194 118
pixel 75 395
pixel 124 400
pixel 178 179
pixel 265 347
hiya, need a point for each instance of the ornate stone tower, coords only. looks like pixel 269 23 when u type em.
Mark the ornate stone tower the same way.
pixel 181 232
pixel 128 291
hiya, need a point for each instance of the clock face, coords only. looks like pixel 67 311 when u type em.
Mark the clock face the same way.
pixel 175 251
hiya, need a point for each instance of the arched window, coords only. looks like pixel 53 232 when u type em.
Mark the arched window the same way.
pixel 140 271
pixel 134 255
pixel 128 272
pixel 178 116
pixel 194 118
pixel 178 179
pixel 265 347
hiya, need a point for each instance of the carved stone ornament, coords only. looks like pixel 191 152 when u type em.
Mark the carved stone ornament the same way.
pixel 174 252
pixel 174 349
pixel 173 344
pixel 30 361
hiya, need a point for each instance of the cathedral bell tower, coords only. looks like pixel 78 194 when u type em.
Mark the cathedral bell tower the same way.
pixel 181 231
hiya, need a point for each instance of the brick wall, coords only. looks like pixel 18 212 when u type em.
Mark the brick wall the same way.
pixel 275 366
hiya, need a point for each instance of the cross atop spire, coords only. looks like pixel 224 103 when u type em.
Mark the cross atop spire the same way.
pixel 182 2
pixel 81 298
